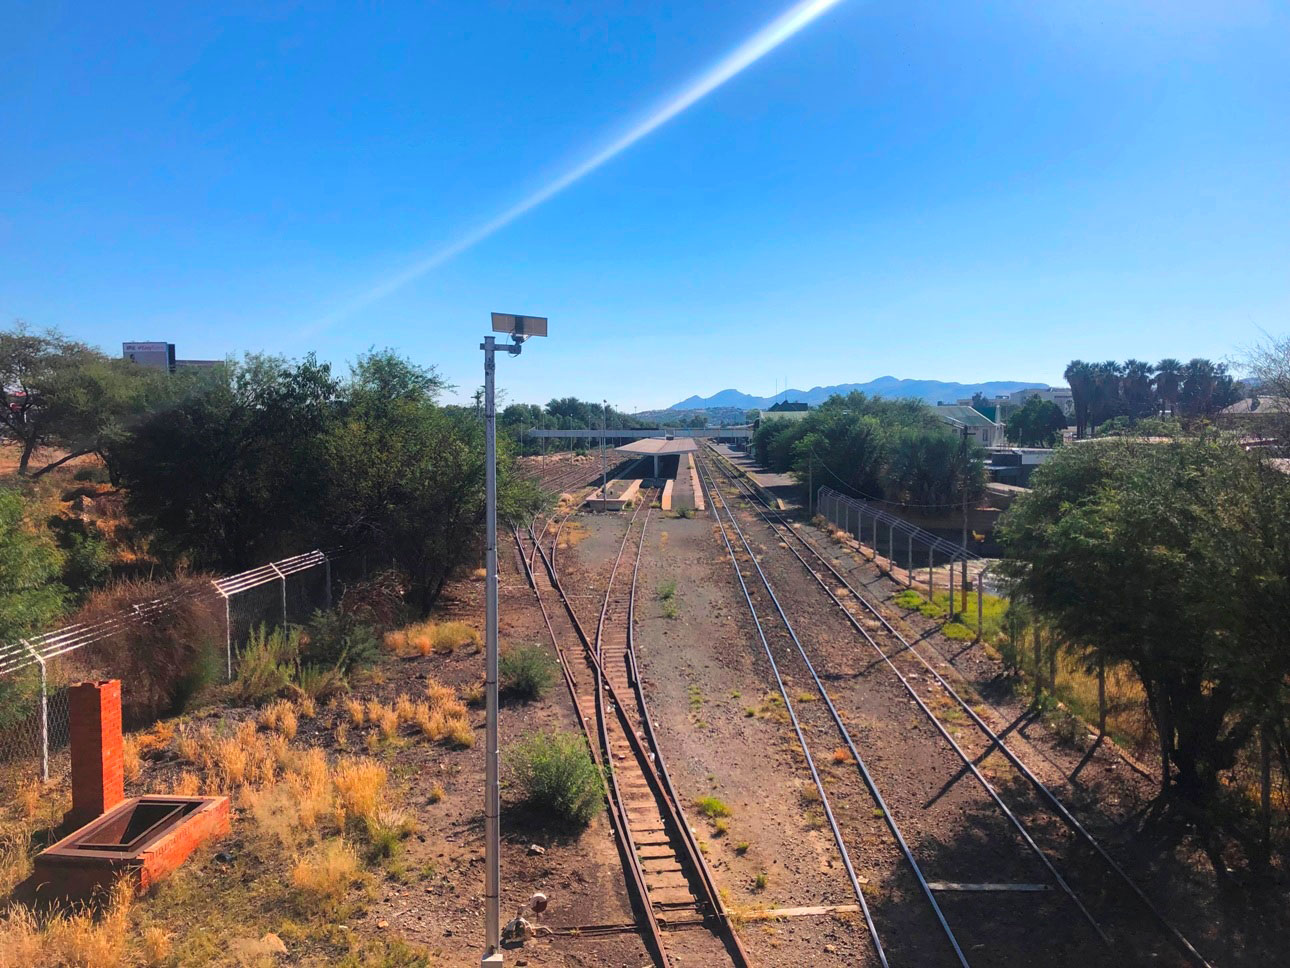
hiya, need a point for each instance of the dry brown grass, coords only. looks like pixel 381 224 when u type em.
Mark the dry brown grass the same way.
pixel 442 638
pixel 187 745
pixel 186 785
pixel 158 738
pixel 157 945
pixel 28 798
pixel 360 786
pixel 405 708
pixel 383 717
pixel 157 658
pixel 280 717
pixel 438 694
pixel 80 939
pixel 131 762
pixel 841 755
pixel 325 874
pixel 307 706
pixel 456 635
pixel 356 712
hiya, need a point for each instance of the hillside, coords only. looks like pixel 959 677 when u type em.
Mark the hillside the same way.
pixel 930 391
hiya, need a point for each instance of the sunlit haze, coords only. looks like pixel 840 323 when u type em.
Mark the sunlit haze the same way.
pixel 710 195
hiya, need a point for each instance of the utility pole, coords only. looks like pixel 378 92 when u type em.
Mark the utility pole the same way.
pixel 604 468
pixel 521 328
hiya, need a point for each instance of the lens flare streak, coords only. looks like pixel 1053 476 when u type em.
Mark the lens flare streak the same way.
pixel 781 29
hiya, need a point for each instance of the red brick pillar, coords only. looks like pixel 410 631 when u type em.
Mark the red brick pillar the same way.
pixel 98 784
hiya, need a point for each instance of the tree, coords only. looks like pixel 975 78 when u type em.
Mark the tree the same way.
pixel 406 477
pixel 1039 423
pixel 1136 389
pixel 1172 559
pixel 1269 364
pixel 60 393
pixel 1168 381
pixel 228 475
pixel 1079 376
pixel 1107 400
pixel 1207 388
pixel 31 596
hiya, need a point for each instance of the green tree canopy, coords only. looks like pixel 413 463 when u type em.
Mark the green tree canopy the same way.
pixel 1039 423
pixel 1172 559
pixel 406 476
pixel 894 450
pixel 229 474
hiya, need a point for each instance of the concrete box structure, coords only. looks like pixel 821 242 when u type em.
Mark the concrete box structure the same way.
pixel 144 838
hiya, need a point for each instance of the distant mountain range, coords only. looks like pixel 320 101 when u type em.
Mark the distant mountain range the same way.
pixel 930 391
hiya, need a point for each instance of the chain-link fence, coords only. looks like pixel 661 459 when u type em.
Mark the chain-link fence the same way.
pixel 35 672
pixel 912 554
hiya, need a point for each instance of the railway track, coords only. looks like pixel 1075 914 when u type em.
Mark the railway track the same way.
pixel 857 815
pixel 893 651
pixel 681 913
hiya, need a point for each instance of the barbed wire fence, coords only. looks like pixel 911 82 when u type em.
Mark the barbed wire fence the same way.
pixel 35 672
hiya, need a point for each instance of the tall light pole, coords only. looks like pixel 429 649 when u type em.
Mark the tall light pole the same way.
pixel 520 328
pixel 604 468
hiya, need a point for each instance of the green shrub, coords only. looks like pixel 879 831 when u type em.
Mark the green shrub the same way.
pixel 266 665
pixel 712 807
pixel 320 682
pixel 557 778
pixel 340 639
pixel 525 671
pixel 907 598
pixel 957 630
pixel 667 590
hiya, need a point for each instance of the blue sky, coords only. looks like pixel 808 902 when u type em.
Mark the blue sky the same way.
pixel 947 191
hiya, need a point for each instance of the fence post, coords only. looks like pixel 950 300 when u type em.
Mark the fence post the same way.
pixel 228 637
pixel 327 574
pixel 965 584
pixel 44 711
pixel 1101 696
pixel 931 584
pixel 283 576
pixel 980 605
pixel 949 586
pixel 891 545
pixel 875 537
pixel 909 560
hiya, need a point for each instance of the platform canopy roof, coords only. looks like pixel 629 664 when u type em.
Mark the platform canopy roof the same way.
pixel 659 446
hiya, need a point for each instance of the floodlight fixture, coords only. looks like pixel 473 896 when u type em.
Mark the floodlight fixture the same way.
pixel 520 327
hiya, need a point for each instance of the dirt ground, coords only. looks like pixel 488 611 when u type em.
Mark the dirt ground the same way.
pixel 581 875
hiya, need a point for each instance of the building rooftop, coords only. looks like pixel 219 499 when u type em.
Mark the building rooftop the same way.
pixel 659 446
pixel 964 415
pixel 1252 405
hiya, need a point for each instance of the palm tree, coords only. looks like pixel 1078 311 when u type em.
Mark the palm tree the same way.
pixel 1200 377
pixel 1169 373
pixel 1079 376
pixel 1137 388
pixel 1107 399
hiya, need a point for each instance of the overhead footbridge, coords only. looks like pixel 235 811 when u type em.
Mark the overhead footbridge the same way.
pixel 615 436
